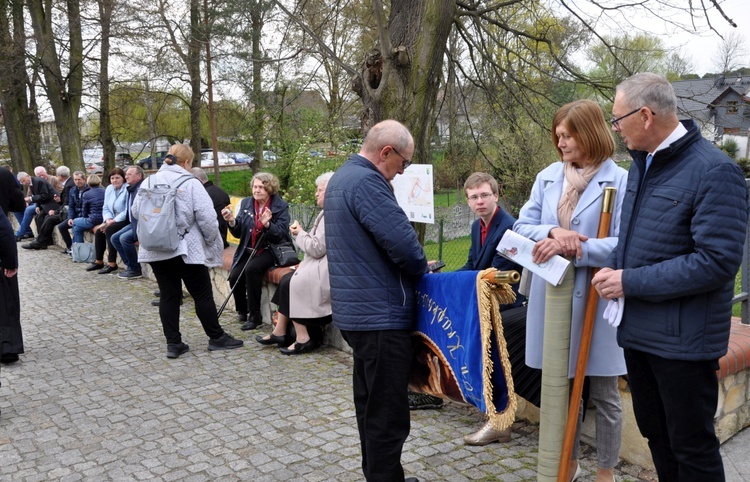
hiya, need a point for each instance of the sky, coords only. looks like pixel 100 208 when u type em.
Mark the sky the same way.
pixel 701 50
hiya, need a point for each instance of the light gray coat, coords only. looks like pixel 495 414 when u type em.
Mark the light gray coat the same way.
pixel 202 244
pixel 309 288
pixel 538 216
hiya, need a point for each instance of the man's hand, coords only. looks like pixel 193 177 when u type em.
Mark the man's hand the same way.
pixel 9 273
pixel 608 283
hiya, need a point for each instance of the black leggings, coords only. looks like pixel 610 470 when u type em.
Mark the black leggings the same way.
pixel 247 292
pixel 102 240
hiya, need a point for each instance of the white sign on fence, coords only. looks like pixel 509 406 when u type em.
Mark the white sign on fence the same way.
pixel 413 190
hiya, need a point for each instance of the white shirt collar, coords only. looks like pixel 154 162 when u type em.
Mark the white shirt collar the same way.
pixel 676 134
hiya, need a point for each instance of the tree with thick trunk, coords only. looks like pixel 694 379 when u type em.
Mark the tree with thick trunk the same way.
pixel 63 88
pixel 19 111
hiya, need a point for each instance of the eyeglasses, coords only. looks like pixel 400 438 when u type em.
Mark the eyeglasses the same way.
pixel 407 162
pixel 484 196
pixel 616 122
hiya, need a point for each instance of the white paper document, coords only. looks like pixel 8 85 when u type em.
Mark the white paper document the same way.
pixel 518 248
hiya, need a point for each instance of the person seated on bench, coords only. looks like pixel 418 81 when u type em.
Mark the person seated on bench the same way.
pixel 114 218
pixel 304 295
pixel 265 214
pixel 91 211
pixel 75 206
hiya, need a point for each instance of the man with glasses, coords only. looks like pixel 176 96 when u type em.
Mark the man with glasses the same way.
pixel 374 258
pixel 680 245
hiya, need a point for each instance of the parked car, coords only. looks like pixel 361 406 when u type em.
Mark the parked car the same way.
pixel 240 158
pixel 122 159
pixel 269 156
pixel 148 162
pixel 207 159
pixel 95 168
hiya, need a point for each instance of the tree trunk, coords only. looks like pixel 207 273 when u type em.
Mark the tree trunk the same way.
pixel 63 89
pixel 400 79
pixel 259 111
pixel 105 125
pixel 194 70
pixel 19 115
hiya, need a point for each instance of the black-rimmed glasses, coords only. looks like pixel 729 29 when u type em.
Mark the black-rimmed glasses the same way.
pixel 616 121
pixel 407 162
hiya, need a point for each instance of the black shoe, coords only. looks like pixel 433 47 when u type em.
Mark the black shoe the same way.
pixel 94 267
pixel 253 322
pixel 66 251
pixel 34 245
pixel 8 358
pixel 241 317
pixel 157 293
pixel 423 401
pixel 411 479
pixel 272 339
pixel 224 342
pixel 107 269
pixel 174 351
pixel 298 348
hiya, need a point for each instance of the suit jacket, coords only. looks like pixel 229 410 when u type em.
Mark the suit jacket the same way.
pixel 483 256
pixel 11 196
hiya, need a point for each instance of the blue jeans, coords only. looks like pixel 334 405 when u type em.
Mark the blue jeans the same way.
pixel 25 221
pixel 124 242
pixel 81 225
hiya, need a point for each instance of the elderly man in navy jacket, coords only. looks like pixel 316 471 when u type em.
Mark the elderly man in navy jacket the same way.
pixel 681 237
pixel 374 257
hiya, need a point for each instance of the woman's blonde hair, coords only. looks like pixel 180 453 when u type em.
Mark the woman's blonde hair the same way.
pixel 270 182
pixel 93 180
pixel 584 119
pixel 181 152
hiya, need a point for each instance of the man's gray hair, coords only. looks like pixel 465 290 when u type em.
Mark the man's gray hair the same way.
pixel 200 174
pixel 80 174
pixel 323 178
pixel 22 175
pixel 649 90
pixel 387 133
pixel 38 170
pixel 137 169
pixel 63 171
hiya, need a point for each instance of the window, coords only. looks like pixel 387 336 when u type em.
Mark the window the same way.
pixel 732 107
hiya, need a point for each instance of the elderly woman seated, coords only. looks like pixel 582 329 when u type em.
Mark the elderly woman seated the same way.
pixel 304 296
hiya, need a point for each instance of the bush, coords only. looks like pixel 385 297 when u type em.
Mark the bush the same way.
pixel 730 146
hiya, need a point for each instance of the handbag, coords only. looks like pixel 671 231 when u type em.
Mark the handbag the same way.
pixel 284 253
pixel 83 253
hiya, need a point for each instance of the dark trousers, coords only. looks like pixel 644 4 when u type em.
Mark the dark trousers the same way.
pixel 45 231
pixel 102 240
pixel 382 360
pixel 65 233
pixel 674 402
pixel 170 274
pixel 247 292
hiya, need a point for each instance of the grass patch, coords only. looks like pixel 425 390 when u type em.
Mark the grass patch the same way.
pixel 448 197
pixel 235 183
pixel 455 252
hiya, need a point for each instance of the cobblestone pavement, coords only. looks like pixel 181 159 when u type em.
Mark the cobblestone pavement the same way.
pixel 95 398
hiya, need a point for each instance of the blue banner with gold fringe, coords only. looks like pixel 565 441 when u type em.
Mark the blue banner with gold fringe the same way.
pixel 460 351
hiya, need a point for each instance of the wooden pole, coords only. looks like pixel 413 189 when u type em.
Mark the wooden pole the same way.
pixel 608 204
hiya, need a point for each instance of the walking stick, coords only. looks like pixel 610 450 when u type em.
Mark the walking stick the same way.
pixel 608 204
pixel 258 242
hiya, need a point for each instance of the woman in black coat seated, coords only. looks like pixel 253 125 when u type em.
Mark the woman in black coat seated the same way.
pixel 260 220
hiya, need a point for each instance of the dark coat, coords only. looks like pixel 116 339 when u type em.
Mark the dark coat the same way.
pixel 42 192
pixel 483 256
pixel 132 192
pixel 11 195
pixel 680 246
pixel 374 255
pixel 276 232
pixel 11 336
pixel 75 201
pixel 93 202
pixel 221 200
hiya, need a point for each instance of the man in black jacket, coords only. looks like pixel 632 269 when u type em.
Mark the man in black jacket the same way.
pixel 219 197
pixel 55 212
pixel 40 193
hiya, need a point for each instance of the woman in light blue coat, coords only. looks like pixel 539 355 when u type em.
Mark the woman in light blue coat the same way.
pixel 562 216
pixel 114 218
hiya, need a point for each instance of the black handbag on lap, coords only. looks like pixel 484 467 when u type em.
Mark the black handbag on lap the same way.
pixel 284 253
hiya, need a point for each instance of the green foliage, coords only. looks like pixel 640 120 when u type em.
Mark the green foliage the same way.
pixel 235 183
pixel 730 146
pixel 304 169
pixel 744 164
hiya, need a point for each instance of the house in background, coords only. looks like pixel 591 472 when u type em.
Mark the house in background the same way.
pixel 720 106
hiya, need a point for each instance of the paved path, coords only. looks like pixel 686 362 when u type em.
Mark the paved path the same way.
pixel 95 398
